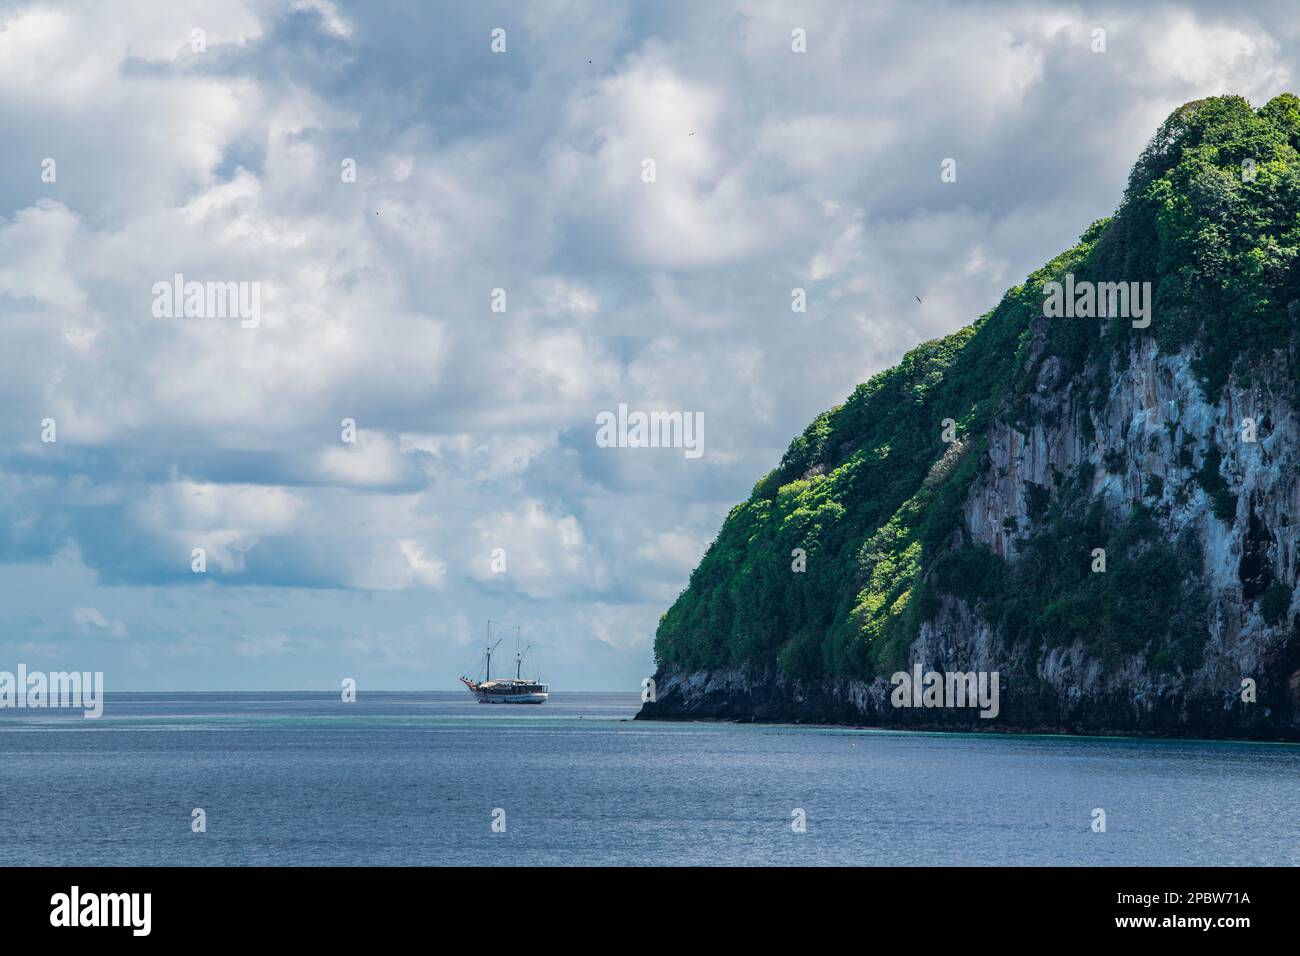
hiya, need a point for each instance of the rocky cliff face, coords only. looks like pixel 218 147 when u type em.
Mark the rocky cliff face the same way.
pixel 1151 410
pixel 1130 436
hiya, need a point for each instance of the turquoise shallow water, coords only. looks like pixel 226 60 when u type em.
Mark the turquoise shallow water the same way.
pixel 413 779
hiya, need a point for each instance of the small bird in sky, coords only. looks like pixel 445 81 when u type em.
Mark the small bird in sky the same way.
pixel 916 297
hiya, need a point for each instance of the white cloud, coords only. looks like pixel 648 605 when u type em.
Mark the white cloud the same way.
pixel 701 209
pixel 91 619
pixel 225 520
pixel 546 555
pixel 410 564
pixel 621 627
pixel 678 550
pixel 373 459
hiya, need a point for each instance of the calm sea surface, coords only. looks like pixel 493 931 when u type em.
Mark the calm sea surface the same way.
pixel 413 779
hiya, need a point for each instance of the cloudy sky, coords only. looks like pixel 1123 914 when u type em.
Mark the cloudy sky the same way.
pixel 222 156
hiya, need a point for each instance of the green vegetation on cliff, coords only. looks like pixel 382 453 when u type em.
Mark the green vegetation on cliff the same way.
pixel 872 494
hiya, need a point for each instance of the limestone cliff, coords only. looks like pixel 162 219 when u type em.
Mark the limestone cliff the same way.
pixel 1098 511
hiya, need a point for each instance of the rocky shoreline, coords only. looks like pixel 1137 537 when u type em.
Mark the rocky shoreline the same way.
pixel 766 696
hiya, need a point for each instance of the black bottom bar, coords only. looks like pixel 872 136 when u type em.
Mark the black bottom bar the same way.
pixel 498 906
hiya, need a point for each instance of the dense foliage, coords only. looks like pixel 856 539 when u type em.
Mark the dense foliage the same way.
pixel 872 493
pixel 1149 599
pixel 1211 217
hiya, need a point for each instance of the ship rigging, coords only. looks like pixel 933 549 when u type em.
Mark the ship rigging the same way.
pixel 507 690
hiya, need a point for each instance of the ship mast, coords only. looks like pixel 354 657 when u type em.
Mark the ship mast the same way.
pixel 489 652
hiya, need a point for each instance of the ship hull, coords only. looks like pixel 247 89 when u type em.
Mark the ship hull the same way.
pixel 498 692
pixel 511 699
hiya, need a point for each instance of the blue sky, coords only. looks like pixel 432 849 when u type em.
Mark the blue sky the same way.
pixel 476 171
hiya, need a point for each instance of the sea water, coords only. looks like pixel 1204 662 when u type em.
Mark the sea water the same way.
pixel 435 778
